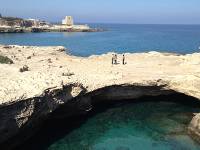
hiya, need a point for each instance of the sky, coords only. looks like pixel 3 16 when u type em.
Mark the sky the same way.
pixel 106 11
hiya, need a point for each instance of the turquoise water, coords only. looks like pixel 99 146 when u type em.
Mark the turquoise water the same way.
pixel 124 126
pixel 118 38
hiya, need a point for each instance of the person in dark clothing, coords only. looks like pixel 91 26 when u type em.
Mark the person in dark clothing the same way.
pixel 123 60
pixel 115 59
pixel 112 59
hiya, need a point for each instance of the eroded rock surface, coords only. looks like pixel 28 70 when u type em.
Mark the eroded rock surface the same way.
pixel 54 79
pixel 194 127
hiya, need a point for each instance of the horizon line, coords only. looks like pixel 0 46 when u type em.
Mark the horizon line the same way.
pixel 136 23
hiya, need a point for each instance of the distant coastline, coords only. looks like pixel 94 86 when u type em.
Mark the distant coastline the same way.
pixel 19 25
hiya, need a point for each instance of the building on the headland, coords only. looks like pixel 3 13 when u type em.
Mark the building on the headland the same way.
pixel 68 21
pixel 35 22
pixel 38 23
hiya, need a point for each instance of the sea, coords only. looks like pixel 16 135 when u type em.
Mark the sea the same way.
pixel 119 38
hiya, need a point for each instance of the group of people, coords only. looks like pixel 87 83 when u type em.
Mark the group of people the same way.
pixel 114 59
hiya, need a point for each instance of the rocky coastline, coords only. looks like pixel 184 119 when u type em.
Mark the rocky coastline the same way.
pixel 36 29
pixel 19 25
pixel 45 80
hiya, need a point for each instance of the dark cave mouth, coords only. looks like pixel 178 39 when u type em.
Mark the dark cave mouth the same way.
pixel 178 107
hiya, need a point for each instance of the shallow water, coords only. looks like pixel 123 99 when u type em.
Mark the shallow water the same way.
pixel 124 126
pixel 119 38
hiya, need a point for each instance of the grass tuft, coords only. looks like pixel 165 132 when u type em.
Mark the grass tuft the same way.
pixel 5 60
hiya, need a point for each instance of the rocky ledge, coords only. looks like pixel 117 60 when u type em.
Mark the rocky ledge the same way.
pixel 44 80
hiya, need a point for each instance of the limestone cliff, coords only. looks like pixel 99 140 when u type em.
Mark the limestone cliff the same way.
pixel 12 21
pixel 42 80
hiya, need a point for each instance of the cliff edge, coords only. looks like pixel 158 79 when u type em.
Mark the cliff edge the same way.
pixel 42 79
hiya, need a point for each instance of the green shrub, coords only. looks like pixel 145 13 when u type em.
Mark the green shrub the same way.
pixel 5 60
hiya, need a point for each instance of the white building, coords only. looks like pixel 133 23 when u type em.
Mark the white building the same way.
pixel 35 22
pixel 68 21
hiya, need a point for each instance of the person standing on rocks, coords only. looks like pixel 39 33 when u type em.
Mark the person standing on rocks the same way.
pixel 115 59
pixel 123 59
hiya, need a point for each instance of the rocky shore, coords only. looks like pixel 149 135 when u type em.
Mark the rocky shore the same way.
pixel 45 80
pixel 35 29
pixel 19 25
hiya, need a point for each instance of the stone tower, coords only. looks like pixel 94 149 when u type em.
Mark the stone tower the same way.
pixel 68 21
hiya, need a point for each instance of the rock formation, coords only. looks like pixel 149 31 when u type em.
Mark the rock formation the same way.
pixel 57 82
pixel 194 127
pixel 12 21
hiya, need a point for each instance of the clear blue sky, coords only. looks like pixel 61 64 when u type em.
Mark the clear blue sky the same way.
pixel 107 11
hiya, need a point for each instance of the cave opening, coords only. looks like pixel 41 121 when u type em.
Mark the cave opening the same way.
pixel 159 122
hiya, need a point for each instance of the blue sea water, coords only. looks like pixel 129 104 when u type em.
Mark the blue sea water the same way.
pixel 117 37
pixel 124 126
